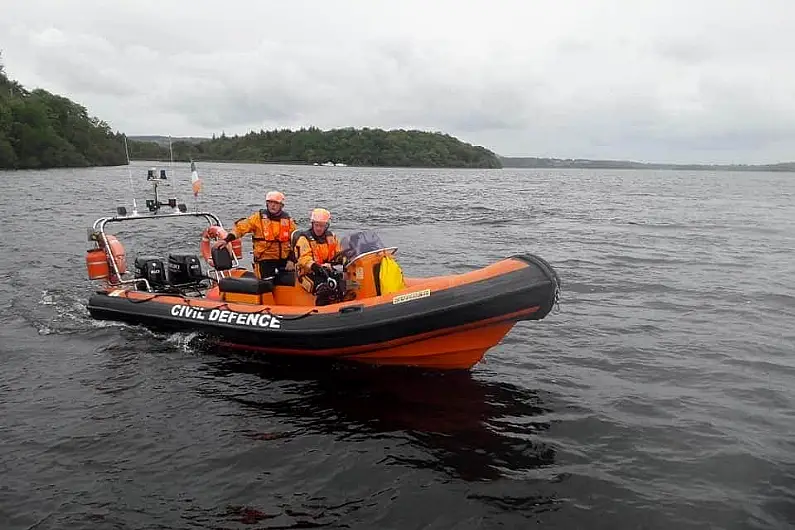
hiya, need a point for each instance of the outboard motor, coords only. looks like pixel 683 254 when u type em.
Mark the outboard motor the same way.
pixel 151 269
pixel 184 269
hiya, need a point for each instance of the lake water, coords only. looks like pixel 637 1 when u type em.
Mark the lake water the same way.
pixel 661 395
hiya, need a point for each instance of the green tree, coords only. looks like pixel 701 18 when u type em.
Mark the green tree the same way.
pixel 43 130
pixel 360 147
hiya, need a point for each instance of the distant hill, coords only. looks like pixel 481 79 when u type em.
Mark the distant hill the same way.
pixel 580 163
pixel 41 130
pixel 347 146
pixel 163 140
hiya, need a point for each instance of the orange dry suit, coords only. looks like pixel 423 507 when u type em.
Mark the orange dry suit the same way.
pixel 270 235
pixel 311 251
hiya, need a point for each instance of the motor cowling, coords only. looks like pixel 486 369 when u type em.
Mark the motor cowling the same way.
pixel 151 269
pixel 184 269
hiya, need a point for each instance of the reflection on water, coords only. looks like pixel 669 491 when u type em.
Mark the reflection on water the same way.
pixel 471 429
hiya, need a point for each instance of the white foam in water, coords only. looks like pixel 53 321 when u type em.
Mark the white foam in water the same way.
pixel 183 341
pixel 110 324
pixel 46 298
pixel 69 314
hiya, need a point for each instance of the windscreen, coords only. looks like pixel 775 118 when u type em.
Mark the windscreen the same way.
pixel 358 243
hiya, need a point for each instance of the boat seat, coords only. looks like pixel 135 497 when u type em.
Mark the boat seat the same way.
pixel 285 278
pixel 294 237
pixel 245 285
pixel 221 258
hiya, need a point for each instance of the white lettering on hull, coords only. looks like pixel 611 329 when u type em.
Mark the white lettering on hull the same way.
pixel 408 297
pixel 225 316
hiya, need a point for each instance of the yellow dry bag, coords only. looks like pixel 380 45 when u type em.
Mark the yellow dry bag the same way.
pixel 390 276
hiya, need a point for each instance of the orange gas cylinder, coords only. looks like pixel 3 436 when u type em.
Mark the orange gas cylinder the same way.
pixel 237 247
pixel 97 264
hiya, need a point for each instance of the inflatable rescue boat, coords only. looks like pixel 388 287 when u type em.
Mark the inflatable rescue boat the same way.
pixel 446 322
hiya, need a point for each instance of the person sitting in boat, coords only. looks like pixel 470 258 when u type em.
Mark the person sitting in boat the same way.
pixel 314 250
pixel 270 230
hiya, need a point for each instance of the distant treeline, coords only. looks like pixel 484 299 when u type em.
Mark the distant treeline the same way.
pixel 41 130
pixel 349 146
pixel 578 163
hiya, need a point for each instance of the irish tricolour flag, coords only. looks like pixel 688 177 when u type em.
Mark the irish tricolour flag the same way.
pixel 195 181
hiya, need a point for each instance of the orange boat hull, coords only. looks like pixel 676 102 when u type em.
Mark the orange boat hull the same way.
pixel 455 350
pixel 444 322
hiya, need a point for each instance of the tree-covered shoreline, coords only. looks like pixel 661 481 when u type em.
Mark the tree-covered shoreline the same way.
pixel 347 146
pixel 581 163
pixel 41 130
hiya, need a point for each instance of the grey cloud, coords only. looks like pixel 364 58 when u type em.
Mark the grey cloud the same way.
pixel 81 75
pixel 230 109
pixel 687 51
pixel 667 81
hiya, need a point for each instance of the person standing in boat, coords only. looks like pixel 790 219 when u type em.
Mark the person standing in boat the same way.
pixel 270 230
pixel 314 250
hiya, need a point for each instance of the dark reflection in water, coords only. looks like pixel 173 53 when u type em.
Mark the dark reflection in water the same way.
pixel 470 428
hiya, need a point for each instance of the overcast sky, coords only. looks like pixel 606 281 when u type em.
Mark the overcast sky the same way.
pixel 652 80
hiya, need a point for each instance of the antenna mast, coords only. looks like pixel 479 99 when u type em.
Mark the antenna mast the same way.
pixel 129 174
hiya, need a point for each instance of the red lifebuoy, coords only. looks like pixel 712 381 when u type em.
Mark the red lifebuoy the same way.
pixel 210 235
pixel 237 247
pixel 119 253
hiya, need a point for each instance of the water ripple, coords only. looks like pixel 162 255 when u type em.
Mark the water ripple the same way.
pixel 660 395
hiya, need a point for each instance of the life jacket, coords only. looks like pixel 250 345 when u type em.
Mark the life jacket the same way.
pixel 323 248
pixel 275 230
